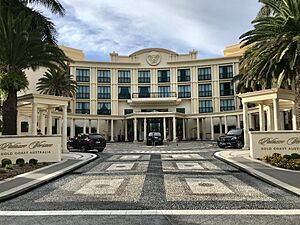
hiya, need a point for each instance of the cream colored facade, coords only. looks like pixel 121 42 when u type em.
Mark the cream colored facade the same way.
pixel 199 103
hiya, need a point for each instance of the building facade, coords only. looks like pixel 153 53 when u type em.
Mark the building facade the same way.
pixel 153 89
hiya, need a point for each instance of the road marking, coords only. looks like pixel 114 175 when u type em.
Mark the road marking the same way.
pixel 150 212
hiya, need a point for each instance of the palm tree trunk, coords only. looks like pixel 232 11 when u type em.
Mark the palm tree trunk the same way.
pixel 10 113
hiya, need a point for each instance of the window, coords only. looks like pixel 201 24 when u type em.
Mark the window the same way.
pixel 128 111
pixel 225 72
pixel 103 92
pixel 205 106
pixel 184 91
pixel 124 93
pixel 103 76
pixel 104 108
pixel 226 89
pixel 205 90
pixel 82 75
pixel 180 110
pixel 144 92
pixel 163 76
pixel 227 105
pixel 204 73
pixel 83 107
pixel 124 76
pixel 144 76
pixel 83 92
pixel 184 75
pixel 164 91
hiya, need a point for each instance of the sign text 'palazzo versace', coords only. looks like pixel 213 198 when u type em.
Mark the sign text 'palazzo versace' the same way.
pixel 152 89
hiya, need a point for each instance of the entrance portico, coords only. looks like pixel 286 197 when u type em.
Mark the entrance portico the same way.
pixel 37 104
pixel 272 101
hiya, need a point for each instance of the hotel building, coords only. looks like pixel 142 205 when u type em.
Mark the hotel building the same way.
pixel 153 89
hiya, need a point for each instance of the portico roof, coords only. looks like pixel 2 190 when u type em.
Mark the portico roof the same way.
pixel 266 96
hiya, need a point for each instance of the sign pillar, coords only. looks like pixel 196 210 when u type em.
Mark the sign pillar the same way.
pixel 246 126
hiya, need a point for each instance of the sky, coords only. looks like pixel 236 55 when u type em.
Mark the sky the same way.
pixel 99 27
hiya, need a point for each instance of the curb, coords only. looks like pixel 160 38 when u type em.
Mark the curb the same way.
pixel 264 177
pixel 42 180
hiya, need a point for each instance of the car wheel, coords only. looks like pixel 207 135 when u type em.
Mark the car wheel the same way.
pixel 100 149
pixel 82 148
pixel 239 144
pixel 221 146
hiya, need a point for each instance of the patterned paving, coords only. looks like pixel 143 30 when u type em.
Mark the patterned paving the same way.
pixel 173 177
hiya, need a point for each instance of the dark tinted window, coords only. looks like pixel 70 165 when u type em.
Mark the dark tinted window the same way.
pixel 95 136
pixel 235 132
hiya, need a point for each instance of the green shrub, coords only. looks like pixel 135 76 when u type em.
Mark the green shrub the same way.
pixel 20 162
pixel 2 171
pixel 295 156
pixel 288 157
pixel 267 158
pixel 293 164
pixel 8 167
pixel 33 161
pixel 5 162
pixel 276 155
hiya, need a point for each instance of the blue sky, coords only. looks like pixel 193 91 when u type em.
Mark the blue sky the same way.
pixel 99 27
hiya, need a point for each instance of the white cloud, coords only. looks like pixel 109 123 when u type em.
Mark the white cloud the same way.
pixel 100 26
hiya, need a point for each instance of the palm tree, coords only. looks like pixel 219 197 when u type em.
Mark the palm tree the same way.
pixel 273 56
pixel 57 82
pixel 21 47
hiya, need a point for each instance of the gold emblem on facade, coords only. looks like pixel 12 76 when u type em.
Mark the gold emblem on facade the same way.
pixel 153 58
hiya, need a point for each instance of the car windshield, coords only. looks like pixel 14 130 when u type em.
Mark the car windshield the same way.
pixel 95 136
pixel 235 132
pixel 156 134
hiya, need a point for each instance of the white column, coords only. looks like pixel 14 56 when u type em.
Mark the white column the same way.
pixel 270 122
pixel 226 124
pixel 98 126
pixel 261 117
pixel 203 129
pixel 198 129
pixel 250 121
pixel 42 122
pixel 145 129
pixel 238 121
pixel 135 130
pixel 276 113
pixel 212 131
pixel 90 126
pixel 281 120
pixel 220 125
pixel 19 123
pixel 64 129
pixel 183 128
pixel 165 128
pixel 84 126
pixel 112 130
pixel 72 128
pixel 107 128
pixel 140 129
pixel 58 128
pixel 246 126
pixel 126 134
pixel 34 119
pixel 49 122
pixel 174 129
pixel 294 117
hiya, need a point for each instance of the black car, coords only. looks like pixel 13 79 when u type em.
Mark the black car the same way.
pixel 86 142
pixel 154 138
pixel 234 138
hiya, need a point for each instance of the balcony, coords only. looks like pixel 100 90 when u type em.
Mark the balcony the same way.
pixel 154 98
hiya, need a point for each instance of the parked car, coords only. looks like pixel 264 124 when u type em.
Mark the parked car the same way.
pixel 86 142
pixel 234 138
pixel 154 137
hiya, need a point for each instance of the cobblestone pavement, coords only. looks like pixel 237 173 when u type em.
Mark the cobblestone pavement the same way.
pixel 134 176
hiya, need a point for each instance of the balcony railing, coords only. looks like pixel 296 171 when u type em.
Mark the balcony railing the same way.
pixel 155 95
